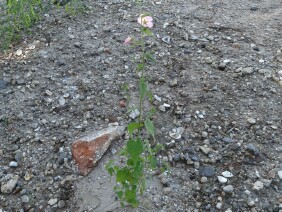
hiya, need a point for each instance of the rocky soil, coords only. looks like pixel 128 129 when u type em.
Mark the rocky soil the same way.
pixel 218 93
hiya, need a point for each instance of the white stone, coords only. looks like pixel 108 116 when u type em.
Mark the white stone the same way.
pixel 222 179
pixel 227 174
pixel 53 201
pixel 176 133
pixel 13 164
pixel 228 189
pixel 219 205
pixel 19 52
pixel 251 120
pixel 258 185
pixel 280 174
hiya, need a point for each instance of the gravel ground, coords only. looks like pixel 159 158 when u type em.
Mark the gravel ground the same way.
pixel 219 68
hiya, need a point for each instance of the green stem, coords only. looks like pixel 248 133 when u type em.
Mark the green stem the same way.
pixel 141 78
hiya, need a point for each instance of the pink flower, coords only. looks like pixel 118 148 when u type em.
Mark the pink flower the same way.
pixel 127 41
pixel 145 21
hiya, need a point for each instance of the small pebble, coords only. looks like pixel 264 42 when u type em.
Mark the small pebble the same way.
pixel 228 189
pixel 251 120
pixel 222 179
pixel 258 185
pixel 227 174
pixel 25 199
pixel 13 164
pixel 280 174
pixel 204 179
pixel 219 205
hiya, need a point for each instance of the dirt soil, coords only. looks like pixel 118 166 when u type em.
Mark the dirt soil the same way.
pixel 219 68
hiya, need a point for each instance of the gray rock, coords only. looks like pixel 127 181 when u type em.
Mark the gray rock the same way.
pixel 266 182
pixel 222 66
pixel 205 150
pixel 251 120
pixel 61 204
pixel 3 84
pixel 252 149
pixel 254 8
pixel 204 134
pixel 206 171
pixel 228 189
pixel 10 185
pixel 247 70
pixel 52 201
pixel 173 83
pixel 166 39
pixel 25 199
pixel 227 140
pixel 204 179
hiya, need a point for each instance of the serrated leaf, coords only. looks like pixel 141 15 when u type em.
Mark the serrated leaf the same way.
pixel 135 148
pixel 150 127
pixel 142 88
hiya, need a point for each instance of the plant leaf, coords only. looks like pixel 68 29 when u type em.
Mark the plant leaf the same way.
pixel 140 67
pixel 150 58
pixel 135 148
pixel 150 127
pixel 147 31
pixel 142 88
pixel 132 127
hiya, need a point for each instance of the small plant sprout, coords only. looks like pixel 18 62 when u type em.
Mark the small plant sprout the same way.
pixel 140 150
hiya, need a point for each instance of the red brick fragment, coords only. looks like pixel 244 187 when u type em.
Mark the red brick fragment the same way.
pixel 89 149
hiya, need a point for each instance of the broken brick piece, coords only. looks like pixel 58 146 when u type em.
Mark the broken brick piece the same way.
pixel 88 150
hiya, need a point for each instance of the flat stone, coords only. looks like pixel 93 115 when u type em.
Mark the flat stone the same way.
pixel 251 120
pixel 252 149
pixel 228 189
pixel 206 171
pixel 227 174
pixel 13 164
pixel 88 150
pixel 52 201
pixel 247 70
pixel 3 84
pixel 10 185
pixel 205 150
pixel 227 140
pixel 258 185
pixel 222 179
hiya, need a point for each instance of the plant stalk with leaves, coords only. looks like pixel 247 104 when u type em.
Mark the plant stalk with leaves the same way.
pixel 131 178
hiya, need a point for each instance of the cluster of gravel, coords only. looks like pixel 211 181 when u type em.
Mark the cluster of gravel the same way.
pixel 217 89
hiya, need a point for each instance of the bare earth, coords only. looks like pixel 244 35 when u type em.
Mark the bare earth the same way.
pixel 219 67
